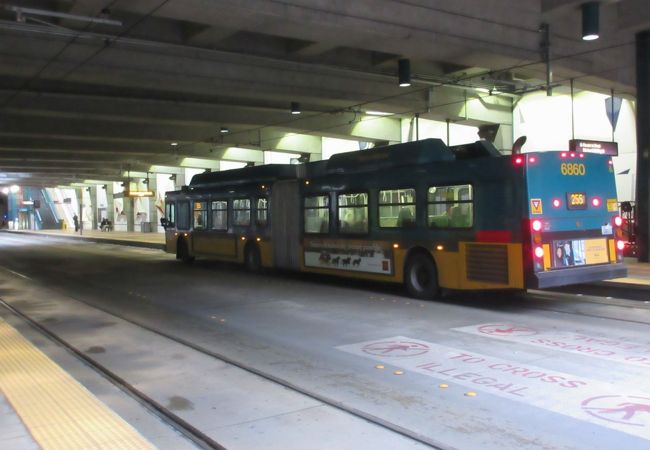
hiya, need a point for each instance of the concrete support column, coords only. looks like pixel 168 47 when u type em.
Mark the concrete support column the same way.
pixel 643 143
pixel 110 203
pixel 79 192
pixel 128 210
pixel 152 214
pixel 180 181
pixel 93 206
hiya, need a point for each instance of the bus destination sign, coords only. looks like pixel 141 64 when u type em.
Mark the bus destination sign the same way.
pixel 600 147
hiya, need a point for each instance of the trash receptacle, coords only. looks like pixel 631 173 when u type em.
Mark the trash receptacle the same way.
pixel 145 227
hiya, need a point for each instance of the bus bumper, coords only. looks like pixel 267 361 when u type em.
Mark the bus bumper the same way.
pixel 577 275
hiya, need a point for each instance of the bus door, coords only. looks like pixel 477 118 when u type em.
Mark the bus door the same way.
pixel 572 219
pixel 210 229
pixel 285 225
pixel 170 227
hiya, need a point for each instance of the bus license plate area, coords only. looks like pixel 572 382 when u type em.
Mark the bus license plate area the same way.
pixel 576 200
pixel 579 252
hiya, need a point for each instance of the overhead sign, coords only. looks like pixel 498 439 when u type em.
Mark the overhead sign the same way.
pixel 600 147
pixel 138 193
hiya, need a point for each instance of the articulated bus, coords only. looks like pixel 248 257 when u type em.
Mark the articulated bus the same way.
pixel 420 213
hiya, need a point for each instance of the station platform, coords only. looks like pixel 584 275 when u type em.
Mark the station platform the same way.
pixel 135 239
pixel 32 391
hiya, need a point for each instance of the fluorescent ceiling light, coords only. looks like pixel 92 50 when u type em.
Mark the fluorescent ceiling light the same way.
pixel 378 113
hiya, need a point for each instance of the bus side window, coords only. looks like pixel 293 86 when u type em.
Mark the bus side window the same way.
pixel 219 210
pixel 241 212
pixel 170 214
pixel 262 212
pixel 183 216
pixel 353 213
pixel 450 206
pixel 397 208
pixel 200 215
pixel 316 214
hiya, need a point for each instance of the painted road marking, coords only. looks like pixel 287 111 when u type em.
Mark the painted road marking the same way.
pixel 609 405
pixel 617 350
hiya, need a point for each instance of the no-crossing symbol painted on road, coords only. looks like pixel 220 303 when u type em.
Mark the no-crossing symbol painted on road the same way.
pixel 396 349
pixel 618 350
pixel 506 330
pixel 617 406
pixel 628 410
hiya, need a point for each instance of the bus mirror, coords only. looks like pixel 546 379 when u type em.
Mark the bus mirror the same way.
pixel 164 222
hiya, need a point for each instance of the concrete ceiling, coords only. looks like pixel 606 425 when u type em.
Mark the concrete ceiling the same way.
pixel 86 99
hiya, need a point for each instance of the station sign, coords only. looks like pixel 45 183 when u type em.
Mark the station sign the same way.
pixel 138 193
pixel 600 147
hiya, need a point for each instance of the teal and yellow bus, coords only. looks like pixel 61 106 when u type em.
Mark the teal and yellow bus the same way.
pixel 420 213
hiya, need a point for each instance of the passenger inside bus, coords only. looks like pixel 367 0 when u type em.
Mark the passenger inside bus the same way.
pixel 405 218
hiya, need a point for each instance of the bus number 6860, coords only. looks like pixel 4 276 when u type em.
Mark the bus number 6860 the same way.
pixel 573 169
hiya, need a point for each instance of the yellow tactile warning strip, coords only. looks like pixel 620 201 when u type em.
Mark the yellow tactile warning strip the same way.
pixel 58 411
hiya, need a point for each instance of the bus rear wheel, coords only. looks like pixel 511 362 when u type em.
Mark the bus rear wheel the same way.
pixel 252 259
pixel 421 276
pixel 184 253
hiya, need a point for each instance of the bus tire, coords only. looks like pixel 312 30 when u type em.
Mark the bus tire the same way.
pixel 252 259
pixel 421 276
pixel 183 252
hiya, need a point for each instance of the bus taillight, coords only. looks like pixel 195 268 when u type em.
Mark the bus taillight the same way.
pixel 620 245
pixel 532 160
pixel 556 203
pixel 618 221
pixel 537 225
pixel 595 202
pixel 539 252
pixel 518 160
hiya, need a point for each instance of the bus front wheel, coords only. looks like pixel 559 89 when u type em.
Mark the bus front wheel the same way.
pixel 252 259
pixel 421 276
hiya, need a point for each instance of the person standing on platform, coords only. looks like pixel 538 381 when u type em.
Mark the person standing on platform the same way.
pixel 75 219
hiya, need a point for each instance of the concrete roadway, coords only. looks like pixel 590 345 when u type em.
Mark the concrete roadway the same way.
pixel 548 370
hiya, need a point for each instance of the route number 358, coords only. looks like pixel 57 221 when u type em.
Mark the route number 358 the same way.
pixel 573 169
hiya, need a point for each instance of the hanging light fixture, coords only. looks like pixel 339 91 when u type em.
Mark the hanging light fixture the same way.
pixel 224 130
pixel 295 108
pixel 590 13
pixel 404 72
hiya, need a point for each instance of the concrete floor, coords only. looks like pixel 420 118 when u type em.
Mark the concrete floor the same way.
pixel 545 371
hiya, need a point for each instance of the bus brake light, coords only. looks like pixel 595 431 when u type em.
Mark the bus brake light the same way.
pixel 556 203
pixel 539 252
pixel 518 160
pixel 532 160
pixel 620 245
pixel 595 202
pixel 537 225
pixel 618 221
